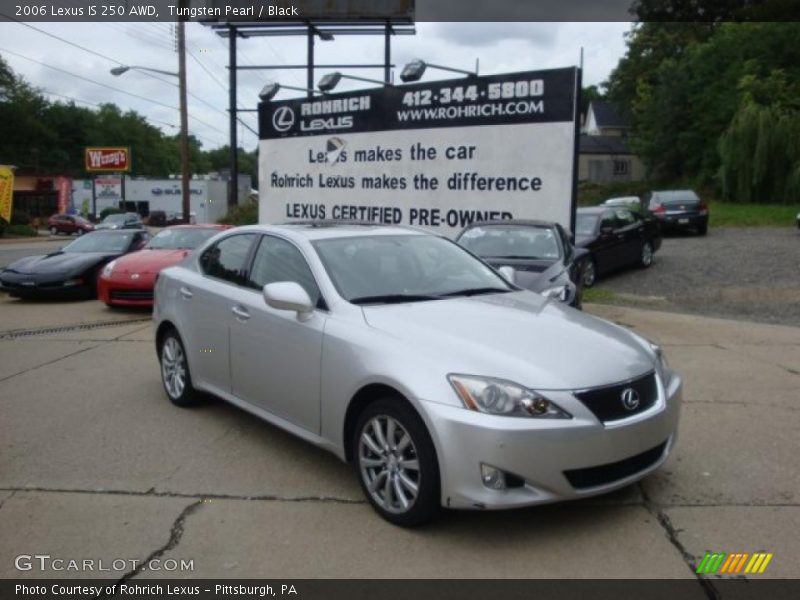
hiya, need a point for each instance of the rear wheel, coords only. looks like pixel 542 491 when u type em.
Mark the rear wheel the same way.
pixel 396 463
pixel 175 371
pixel 703 229
pixel 646 258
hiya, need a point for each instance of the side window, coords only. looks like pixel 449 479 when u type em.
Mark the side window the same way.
pixel 607 221
pixel 278 260
pixel 625 218
pixel 227 259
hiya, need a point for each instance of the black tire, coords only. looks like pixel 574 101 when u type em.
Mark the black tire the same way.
pixel 703 229
pixel 185 395
pixel 426 506
pixel 589 273
pixel 647 255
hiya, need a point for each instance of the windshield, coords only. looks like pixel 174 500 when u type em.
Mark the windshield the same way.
pixel 585 224
pixel 512 241
pixel 100 242
pixel 114 219
pixel 404 268
pixel 181 238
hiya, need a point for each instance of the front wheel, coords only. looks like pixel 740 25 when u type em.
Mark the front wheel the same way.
pixel 53 231
pixel 589 273
pixel 79 232
pixel 175 371
pixel 396 463
pixel 646 258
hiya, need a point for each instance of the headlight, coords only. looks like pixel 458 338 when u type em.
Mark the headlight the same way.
pixel 108 269
pixel 560 293
pixel 498 397
pixel 662 366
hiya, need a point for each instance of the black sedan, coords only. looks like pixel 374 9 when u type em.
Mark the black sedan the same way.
pixel 679 210
pixel 541 254
pixel 615 238
pixel 71 270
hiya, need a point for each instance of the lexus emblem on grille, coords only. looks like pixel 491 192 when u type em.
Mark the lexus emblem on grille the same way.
pixel 630 399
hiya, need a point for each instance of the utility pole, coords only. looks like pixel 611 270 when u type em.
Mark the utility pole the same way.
pixel 184 142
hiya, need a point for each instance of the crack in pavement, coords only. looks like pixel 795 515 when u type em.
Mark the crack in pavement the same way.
pixel 672 535
pixel 175 535
pixel 152 493
pixel 10 496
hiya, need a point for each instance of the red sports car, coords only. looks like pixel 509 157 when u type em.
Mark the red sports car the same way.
pixel 130 279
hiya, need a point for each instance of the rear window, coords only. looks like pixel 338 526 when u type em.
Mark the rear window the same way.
pixel 676 197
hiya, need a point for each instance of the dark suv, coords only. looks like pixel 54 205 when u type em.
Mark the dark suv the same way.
pixel 68 224
pixel 679 210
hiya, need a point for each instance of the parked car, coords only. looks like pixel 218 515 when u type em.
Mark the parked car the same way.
pixel 68 224
pixel 129 280
pixel 633 202
pixel 679 210
pixel 157 218
pixel 404 354
pixel 615 238
pixel 121 221
pixel 73 269
pixel 540 253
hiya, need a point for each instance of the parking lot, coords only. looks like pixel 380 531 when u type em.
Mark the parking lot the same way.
pixel 96 463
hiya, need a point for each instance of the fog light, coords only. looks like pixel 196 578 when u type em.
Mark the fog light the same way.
pixel 492 478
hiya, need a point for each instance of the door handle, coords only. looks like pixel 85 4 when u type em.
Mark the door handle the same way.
pixel 186 292
pixel 240 313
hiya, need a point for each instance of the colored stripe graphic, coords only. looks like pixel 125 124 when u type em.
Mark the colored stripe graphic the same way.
pixel 730 564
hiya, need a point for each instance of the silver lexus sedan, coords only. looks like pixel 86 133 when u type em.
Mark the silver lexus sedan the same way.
pixel 402 353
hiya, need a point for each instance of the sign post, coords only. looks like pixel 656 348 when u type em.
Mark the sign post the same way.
pixel 6 192
pixel 439 155
pixel 107 159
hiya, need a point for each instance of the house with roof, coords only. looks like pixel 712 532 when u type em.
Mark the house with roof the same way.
pixel 604 154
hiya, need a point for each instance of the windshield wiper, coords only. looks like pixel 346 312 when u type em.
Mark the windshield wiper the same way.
pixel 393 298
pixel 513 257
pixel 476 291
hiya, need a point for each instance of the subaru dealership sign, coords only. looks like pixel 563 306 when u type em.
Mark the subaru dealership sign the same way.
pixel 439 155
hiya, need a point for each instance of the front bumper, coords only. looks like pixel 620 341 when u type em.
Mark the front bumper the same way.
pixel 26 286
pixel 121 290
pixel 545 454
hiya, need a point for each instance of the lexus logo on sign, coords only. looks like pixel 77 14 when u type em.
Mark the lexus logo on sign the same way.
pixel 283 118
pixel 630 399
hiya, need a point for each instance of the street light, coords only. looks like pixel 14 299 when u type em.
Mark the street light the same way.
pixel 414 70
pixel 184 135
pixel 331 80
pixel 269 91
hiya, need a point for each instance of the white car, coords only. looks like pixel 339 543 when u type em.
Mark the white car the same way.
pixel 399 351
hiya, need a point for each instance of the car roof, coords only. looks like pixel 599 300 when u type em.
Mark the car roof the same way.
pixel 516 222
pixel 199 226
pixel 319 230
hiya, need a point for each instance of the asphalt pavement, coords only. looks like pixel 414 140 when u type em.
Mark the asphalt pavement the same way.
pixel 95 463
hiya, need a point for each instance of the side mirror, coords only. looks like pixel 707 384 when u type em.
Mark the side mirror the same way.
pixel 508 273
pixel 288 295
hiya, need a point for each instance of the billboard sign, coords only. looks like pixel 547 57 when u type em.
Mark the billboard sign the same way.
pixel 6 192
pixel 439 155
pixel 107 159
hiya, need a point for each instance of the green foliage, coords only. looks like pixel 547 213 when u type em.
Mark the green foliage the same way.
pixel 725 214
pixel 50 137
pixel 241 214
pixel 26 230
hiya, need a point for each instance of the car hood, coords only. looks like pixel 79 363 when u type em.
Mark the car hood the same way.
pixel 535 275
pixel 107 226
pixel 150 261
pixel 59 263
pixel 520 336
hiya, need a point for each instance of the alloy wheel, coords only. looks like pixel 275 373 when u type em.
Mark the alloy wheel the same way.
pixel 173 367
pixel 589 274
pixel 389 464
pixel 647 254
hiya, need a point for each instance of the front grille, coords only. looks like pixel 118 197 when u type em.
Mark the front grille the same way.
pixel 606 402
pixel 131 294
pixel 604 474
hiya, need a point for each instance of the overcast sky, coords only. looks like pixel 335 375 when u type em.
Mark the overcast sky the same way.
pixel 500 47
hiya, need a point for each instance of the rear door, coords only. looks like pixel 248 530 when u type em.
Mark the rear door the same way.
pixel 207 297
pixel 606 250
pixel 629 234
pixel 275 355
